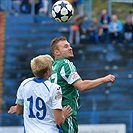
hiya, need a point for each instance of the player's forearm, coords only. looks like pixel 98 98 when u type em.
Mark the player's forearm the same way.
pixel 19 112
pixel 60 121
pixel 19 109
pixel 84 85
pixel 90 84
pixel 59 117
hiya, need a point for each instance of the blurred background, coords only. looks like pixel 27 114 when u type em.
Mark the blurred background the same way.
pixel 26 30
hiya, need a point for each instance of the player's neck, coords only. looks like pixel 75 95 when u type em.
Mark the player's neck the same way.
pixel 46 76
pixel 56 58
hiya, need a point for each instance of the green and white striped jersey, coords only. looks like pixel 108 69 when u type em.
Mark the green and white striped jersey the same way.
pixel 64 73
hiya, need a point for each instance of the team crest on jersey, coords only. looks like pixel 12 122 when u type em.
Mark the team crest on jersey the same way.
pixel 58 95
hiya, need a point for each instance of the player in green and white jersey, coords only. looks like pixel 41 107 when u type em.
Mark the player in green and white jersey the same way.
pixel 65 74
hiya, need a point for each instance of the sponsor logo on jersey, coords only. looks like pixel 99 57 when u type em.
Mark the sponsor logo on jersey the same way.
pixel 75 76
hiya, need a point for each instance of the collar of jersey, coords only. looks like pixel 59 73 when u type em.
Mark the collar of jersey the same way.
pixel 39 80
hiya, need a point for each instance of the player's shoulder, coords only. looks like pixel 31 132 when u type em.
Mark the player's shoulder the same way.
pixel 25 81
pixel 52 85
pixel 68 64
pixel 67 61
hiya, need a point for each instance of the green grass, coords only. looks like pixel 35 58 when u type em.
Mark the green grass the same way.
pixel 119 9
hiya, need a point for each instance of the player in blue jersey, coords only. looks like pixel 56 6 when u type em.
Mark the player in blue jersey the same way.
pixel 40 101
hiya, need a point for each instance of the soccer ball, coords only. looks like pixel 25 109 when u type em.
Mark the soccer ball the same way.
pixel 62 11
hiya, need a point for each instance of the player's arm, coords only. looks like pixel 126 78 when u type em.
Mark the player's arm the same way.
pixel 61 115
pixel 72 77
pixel 19 109
pixel 84 85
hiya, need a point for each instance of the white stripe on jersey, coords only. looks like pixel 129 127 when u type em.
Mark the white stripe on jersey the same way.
pixel 70 123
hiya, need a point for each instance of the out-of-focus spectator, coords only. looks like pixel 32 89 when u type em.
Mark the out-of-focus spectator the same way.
pixel 44 9
pixel 16 6
pixel 105 20
pixel 128 30
pixel 95 30
pixel 80 7
pixel 115 29
pixel 26 5
pixel 131 15
pixel 76 29
pixel 74 4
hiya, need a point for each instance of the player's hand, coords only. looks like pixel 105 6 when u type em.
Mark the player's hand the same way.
pixel 67 111
pixel 109 78
pixel 12 110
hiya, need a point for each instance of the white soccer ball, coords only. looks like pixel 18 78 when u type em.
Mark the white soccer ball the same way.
pixel 62 11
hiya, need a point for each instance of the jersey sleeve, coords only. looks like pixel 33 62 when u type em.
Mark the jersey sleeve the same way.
pixel 69 73
pixel 20 99
pixel 56 97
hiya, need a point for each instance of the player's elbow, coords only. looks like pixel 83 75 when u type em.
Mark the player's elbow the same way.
pixel 82 89
pixel 80 85
pixel 83 85
pixel 85 88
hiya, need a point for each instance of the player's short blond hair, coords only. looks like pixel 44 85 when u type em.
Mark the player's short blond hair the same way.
pixel 41 64
pixel 54 43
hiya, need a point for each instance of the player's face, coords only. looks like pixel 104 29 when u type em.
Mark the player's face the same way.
pixel 65 50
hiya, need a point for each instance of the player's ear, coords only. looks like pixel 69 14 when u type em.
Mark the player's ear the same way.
pixel 56 52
